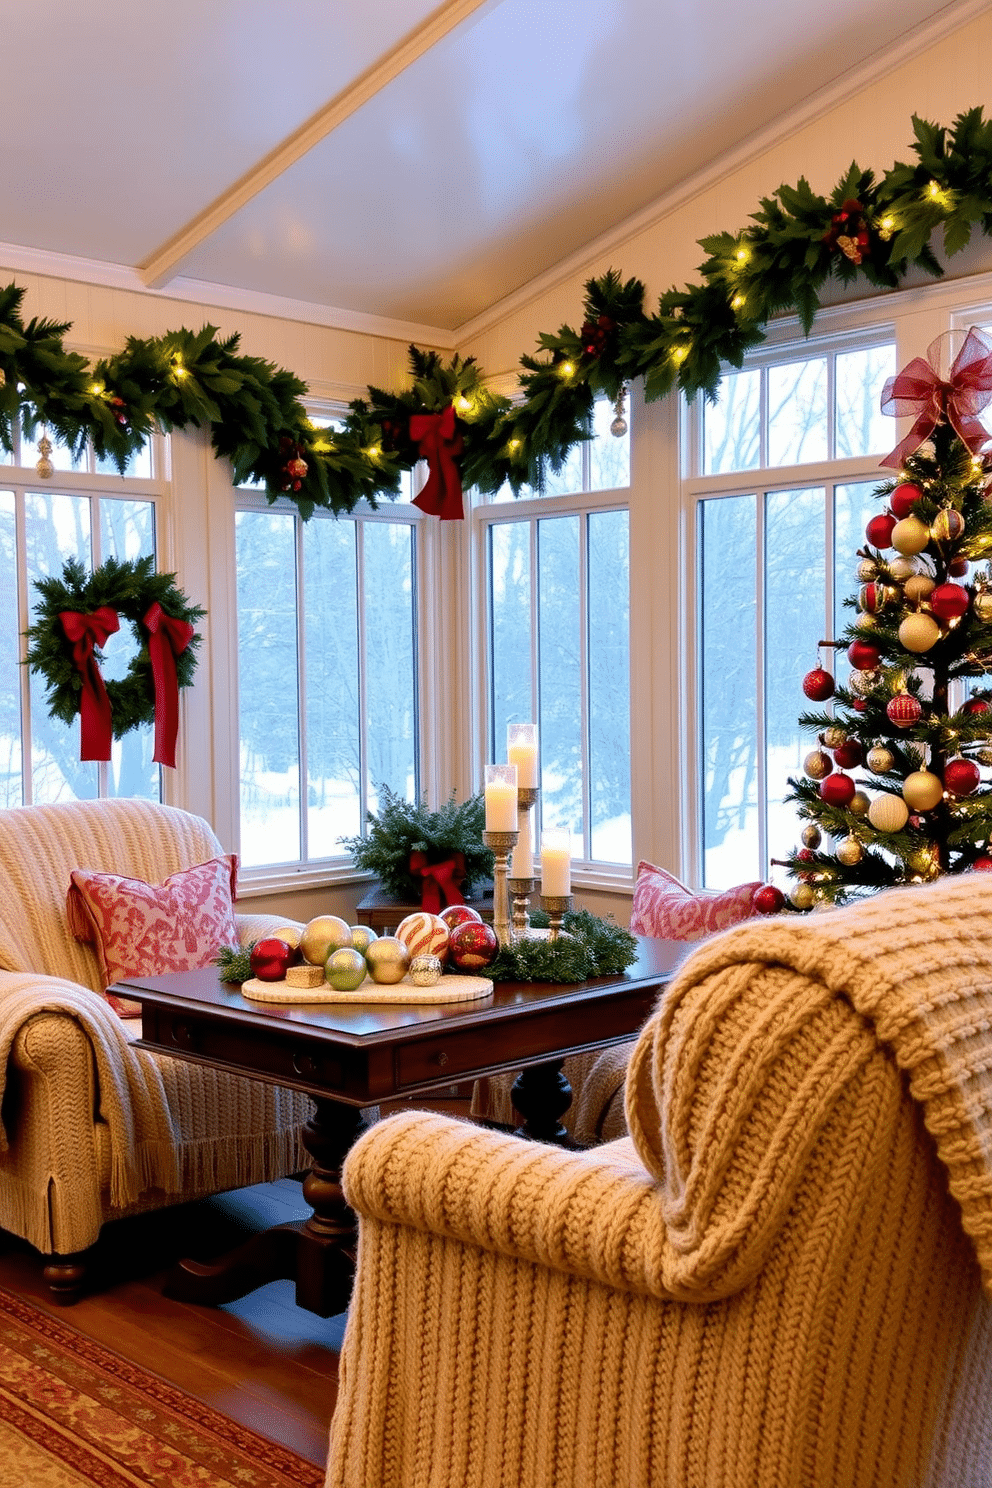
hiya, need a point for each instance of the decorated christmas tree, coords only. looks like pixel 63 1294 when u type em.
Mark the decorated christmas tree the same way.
pixel 894 790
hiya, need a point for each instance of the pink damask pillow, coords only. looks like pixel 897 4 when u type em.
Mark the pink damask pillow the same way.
pixel 664 907
pixel 142 929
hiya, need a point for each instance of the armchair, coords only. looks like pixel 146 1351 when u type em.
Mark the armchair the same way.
pixel 92 1127
pixel 781 1277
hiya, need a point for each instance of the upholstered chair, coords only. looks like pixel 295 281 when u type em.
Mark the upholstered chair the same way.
pixel 92 1127
pixel 780 1277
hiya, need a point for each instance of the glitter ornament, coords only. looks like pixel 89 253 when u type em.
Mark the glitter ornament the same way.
pixel 862 683
pixel 867 570
pixel 768 900
pixel 802 896
pixel 812 836
pixel 983 605
pixel 833 737
pixel 425 971
pixel 903 568
pixel 888 813
pixel 984 757
pixel 818 685
pixel 865 622
pixel 919 632
pixel 880 760
pixel 904 710
pixel 910 536
pixel 850 851
pixel 817 765
pixel 921 790
pixel 473 946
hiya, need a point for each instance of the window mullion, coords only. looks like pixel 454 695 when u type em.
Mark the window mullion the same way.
pixel 301 696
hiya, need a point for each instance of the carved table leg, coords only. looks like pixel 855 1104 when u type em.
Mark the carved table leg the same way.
pixel 66 1276
pixel 318 1252
pixel 542 1095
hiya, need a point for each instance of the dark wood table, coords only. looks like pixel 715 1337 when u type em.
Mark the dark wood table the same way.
pixel 349 1056
pixel 381 912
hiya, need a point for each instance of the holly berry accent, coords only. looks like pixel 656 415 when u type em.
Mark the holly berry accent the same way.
pixel 595 334
pixel 848 231
pixel 294 465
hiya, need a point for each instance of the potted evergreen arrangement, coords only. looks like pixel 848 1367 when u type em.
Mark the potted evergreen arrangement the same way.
pixel 419 855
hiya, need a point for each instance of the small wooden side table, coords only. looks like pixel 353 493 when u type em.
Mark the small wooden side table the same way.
pixel 381 912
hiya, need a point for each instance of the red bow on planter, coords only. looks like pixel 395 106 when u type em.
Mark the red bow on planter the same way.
pixel 439 443
pixel 167 639
pixel 440 880
pixel 87 632
pixel 919 391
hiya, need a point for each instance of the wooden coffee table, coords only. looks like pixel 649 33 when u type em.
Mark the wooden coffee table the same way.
pixel 354 1055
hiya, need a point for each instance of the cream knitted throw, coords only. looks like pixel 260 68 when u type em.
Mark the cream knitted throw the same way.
pixel 143 1143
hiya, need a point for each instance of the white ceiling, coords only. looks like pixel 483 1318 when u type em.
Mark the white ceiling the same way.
pixel 395 158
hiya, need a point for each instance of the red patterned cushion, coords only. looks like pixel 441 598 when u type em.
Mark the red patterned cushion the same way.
pixel 141 929
pixel 666 908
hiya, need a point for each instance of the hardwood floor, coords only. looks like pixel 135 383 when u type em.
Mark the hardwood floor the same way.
pixel 262 1360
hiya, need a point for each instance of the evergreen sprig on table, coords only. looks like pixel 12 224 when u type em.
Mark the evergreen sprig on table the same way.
pixel 591 947
pixel 404 827
pixel 235 962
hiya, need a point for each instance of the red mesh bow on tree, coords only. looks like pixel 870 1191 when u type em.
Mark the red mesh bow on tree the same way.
pixel 921 393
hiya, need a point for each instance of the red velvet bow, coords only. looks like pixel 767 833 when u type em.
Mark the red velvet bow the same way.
pixel 440 880
pixel 87 632
pixel 439 443
pixel 167 639
pixel 919 391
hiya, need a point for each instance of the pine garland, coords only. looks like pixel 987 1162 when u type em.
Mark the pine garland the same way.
pixel 869 229
pixel 130 588
pixel 590 947
pixel 403 827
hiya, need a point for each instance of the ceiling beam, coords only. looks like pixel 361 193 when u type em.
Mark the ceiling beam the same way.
pixel 164 262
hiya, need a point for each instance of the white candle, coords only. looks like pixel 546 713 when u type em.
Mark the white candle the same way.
pixel 501 798
pixel 521 750
pixel 556 862
pixel 522 858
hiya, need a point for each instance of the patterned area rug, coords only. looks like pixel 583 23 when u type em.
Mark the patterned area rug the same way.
pixel 72 1413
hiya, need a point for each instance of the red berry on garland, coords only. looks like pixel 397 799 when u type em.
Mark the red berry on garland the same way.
pixel 879 530
pixel 818 685
pixel 849 755
pixel 949 601
pixel 904 498
pixel 961 777
pixel 837 790
pixel 863 658
pixel 904 710
pixel 770 900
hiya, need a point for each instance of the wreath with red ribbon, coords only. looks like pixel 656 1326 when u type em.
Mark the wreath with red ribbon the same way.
pixel 74 617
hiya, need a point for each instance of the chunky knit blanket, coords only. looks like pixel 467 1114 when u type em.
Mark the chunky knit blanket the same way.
pixel 915 963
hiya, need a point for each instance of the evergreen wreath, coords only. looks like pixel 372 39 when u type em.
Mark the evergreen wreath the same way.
pixel 403 828
pixel 591 947
pixel 874 229
pixel 130 588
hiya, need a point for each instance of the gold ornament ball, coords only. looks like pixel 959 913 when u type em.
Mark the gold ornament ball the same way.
pixel 817 765
pixel 802 896
pixel 862 683
pixel 859 804
pixel 362 937
pixel 919 632
pixel 388 959
pixel 903 568
pixel 921 861
pixel 910 536
pixel 812 836
pixel 879 759
pixel 867 570
pixel 345 969
pixel 290 934
pixel 866 622
pixel 888 813
pixel 834 737
pixel 984 756
pixel 983 605
pixel 922 790
pixel 918 588
pixel 947 526
pixel 850 851
pixel 321 936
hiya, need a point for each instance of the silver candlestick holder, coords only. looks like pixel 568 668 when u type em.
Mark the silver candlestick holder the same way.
pixel 556 906
pixel 520 892
pixel 501 844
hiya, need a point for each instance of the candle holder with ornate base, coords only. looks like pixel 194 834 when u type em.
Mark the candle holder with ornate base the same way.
pixel 501 844
pixel 556 906
pixel 520 892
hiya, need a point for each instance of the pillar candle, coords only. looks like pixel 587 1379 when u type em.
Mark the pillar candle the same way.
pixel 521 750
pixel 556 862
pixel 501 798
pixel 522 859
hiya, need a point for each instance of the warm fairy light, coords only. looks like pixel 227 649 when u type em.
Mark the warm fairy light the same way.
pixel 178 369
pixel 737 303
pixel 514 444
pixel 888 224
pixel 374 451
pixel 679 353
pixel 566 369
pixel 462 403
pixel 321 446
pixel 742 255
pixel 938 194
pixel 96 388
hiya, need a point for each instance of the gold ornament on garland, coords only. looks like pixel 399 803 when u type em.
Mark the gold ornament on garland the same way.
pixel 44 467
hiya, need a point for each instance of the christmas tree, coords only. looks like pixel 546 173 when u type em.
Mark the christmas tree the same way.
pixel 893 792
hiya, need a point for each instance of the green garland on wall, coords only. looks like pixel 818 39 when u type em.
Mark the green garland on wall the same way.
pixel 868 229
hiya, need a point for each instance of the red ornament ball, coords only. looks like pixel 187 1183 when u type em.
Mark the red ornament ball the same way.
pixel 961 777
pixel 957 568
pixel 458 914
pixel 849 754
pixel 837 789
pixel 863 658
pixel 879 530
pixel 980 865
pixel 904 710
pixel 768 900
pixel 270 958
pixel 904 498
pixel 975 705
pixel 818 685
pixel 859 705
pixel 949 601
pixel 472 945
